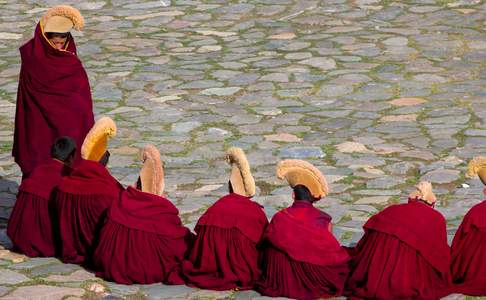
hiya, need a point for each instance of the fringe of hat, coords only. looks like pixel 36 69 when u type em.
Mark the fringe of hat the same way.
pixel 65 11
pixel 152 173
pixel 285 165
pixel 235 155
pixel 104 128
pixel 475 165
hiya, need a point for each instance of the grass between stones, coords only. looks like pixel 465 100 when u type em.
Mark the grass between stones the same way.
pixel 6 146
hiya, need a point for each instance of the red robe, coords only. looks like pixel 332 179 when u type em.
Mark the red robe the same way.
pixel 29 225
pixel 143 241
pixel 302 259
pixel 469 253
pixel 403 255
pixel 82 200
pixel 224 255
pixel 53 100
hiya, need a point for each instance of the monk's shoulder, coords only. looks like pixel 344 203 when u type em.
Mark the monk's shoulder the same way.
pixel 46 173
pixel 234 204
pixel 479 209
pixel 322 214
pixel 476 215
pixel 391 210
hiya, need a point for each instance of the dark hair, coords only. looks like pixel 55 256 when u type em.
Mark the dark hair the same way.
pixel 63 148
pixel 105 158
pixel 302 193
pixel 139 183
pixel 230 187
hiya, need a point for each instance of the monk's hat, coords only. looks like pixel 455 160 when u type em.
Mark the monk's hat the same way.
pixel 62 19
pixel 241 179
pixel 423 190
pixel 96 141
pixel 152 173
pixel 300 172
pixel 477 166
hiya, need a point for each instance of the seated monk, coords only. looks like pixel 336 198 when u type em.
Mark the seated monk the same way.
pixel 301 257
pixel 29 226
pixel 469 244
pixel 404 252
pixel 143 240
pixel 83 198
pixel 225 255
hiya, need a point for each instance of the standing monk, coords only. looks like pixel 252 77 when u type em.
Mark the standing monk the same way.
pixel 29 225
pixel 83 198
pixel 469 244
pixel 143 240
pixel 54 97
pixel 404 252
pixel 302 259
pixel 225 255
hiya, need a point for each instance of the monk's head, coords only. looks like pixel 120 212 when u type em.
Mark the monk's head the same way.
pixel 306 180
pixel 300 192
pixel 423 191
pixel 57 39
pixel 64 149
pixel 95 143
pixel 151 178
pixel 57 23
pixel 477 166
pixel 241 181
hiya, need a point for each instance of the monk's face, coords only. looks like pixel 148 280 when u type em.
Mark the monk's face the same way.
pixel 58 39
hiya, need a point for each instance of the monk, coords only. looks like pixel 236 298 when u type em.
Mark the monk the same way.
pixel 225 254
pixel 404 252
pixel 83 198
pixel 54 96
pixel 143 240
pixel 469 244
pixel 29 226
pixel 301 257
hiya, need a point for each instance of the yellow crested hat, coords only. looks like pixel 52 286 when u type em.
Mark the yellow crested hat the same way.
pixel 477 166
pixel 423 190
pixel 96 141
pixel 241 179
pixel 300 172
pixel 152 173
pixel 61 19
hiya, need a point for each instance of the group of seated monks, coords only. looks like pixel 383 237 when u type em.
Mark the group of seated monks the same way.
pixel 82 214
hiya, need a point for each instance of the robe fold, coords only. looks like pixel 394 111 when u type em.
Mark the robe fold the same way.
pixel 81 201
pixel 53 100
pixel 143 241
pixel 29 225
pixel 469 253
pixel 225 255
pixel 302 259
pixel 403 255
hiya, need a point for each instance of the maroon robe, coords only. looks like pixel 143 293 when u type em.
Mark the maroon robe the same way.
pixel 53 100
pixel 224 255
pixel 29 225
pixel 143 241
pixel 403 255
pixel 82 200
pixel 302 259
pixel 469 253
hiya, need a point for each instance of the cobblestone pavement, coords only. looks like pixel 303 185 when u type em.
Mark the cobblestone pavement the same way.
pixel 377 94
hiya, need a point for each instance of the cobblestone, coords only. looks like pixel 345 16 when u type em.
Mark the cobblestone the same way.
pixel 377 94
